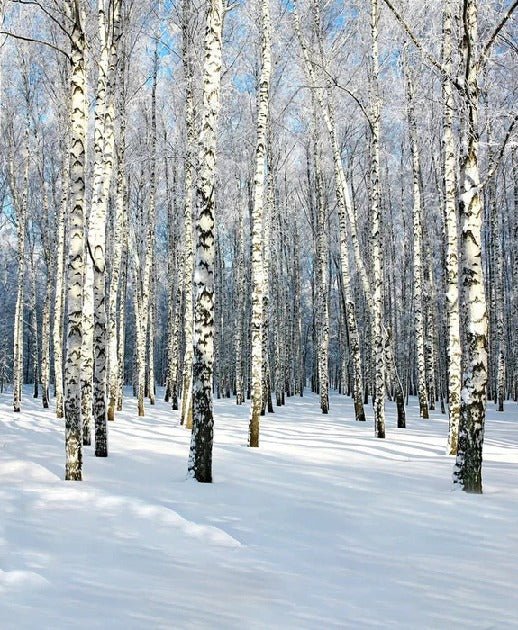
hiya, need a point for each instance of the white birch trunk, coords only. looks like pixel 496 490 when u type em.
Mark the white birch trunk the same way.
pixel 417 213
pixel 104 148
pixel 118 245
pixel 452 228
pixel 59 298
pixel 499 305
pixel 266 403
pixel 143 288
pixel 150 304
pixel 20 203
pixel 200 457
pixel 322 284
pixel 188 254
pixel 468 466
pixel 87 349
pixel 256 227
pixel 378 345
pixel 34 327
pixel 75 266
pixel 175 292
pixel 122 321
pixel 240 289
pixel 45 319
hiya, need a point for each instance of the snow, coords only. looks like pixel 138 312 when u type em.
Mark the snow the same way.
pixel 323 526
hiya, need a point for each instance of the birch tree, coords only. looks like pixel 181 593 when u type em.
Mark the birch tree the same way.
pixel 188 254
pixel 104 146
pixel 378 344
pixel 417 213
pixel 468 466
pixel 119 233
pixel 257 279
pixel 343 202
pixel 322 273
pixel 76 254
pixel 59 271
pixel 451 224
pixel 20 201
pixel 200 456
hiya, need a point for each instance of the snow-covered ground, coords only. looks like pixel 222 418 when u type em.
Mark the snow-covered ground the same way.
pixel 322 527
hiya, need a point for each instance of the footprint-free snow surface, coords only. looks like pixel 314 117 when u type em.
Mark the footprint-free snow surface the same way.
pixel 323 526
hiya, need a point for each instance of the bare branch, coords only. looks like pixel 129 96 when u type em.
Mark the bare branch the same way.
pixel 496 157
pixel 35 41
pixel 484 55
pixel 47 13
pixel 419 45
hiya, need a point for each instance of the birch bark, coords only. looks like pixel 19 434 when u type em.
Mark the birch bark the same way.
pixel 378 345
pixel 75 265
pixel 188 254
pixel 200 457
pixel 417 214
pixel 452 229
pixel 59 298
pixel 118 246
pixel 48 255
pixel 240 289
pixel 322 272
pixel 104 148
pixel 256 324
pixel 468 466
pixel 143 288
pixel 20 203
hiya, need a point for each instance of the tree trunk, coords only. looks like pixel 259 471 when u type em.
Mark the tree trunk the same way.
pixel 200 456
pixel 59 297
pixel 75 266
pixel 188 256
pixel 468 465
pixel 418 253
pixel 257 227
pixel 21 219
pixel 451 223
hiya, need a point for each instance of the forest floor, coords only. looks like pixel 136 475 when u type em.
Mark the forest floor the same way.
pixel 323 526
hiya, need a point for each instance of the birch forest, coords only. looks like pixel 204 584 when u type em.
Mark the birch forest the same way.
pixel 259 200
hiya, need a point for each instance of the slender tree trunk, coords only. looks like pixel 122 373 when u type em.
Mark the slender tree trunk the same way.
pixel 322 272
pixel 175 290
pixel 45 319
pixel 21 219
pixel 75 267
pixel 59 298
pixel 418 253
pixel 143 288
pixel 451 223
pixel 87 357
pixel 115 290
pixel 468 465
pixel 240 289
pixel 34 328
pixel 266 402
pixel 104 146
pixel 186 417
pixel 498 285
pixel 378 345
pixel 257 226
pixel 200 457
pixel 151 303
pixel 121 336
